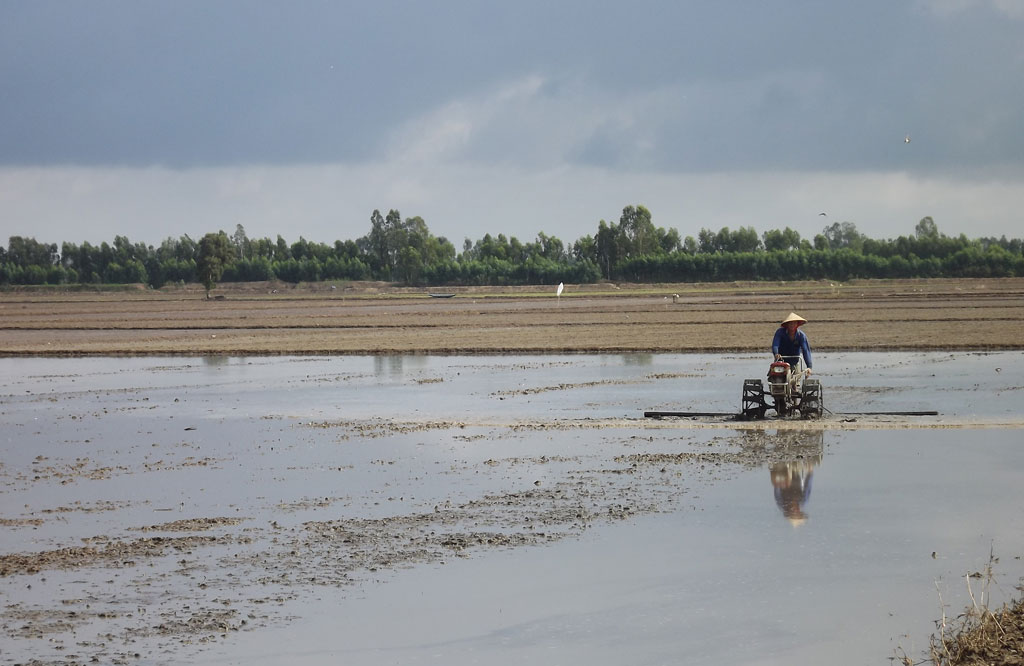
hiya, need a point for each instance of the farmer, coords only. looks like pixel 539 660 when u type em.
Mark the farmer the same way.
pixel 790 343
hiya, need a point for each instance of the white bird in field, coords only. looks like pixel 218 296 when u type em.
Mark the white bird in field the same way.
pixel 558 292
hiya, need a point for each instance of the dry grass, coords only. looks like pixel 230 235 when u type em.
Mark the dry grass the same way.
pixel 987 638
pixel 979 636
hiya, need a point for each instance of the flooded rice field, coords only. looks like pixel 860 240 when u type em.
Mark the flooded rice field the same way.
pixel 495 510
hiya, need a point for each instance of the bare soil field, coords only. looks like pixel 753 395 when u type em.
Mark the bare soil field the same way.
pixel 377 318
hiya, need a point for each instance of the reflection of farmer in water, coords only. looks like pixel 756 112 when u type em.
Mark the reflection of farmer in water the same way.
pixel 793 454
pixel 791 482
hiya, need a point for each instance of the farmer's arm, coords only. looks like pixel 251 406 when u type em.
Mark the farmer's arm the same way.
pixel 776 341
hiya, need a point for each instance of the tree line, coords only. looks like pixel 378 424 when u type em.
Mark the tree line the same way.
pixel 405 251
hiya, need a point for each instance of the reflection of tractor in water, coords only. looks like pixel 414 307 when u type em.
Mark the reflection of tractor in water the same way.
pixel 789 388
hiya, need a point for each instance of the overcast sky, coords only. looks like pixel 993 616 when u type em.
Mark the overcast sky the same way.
pixel 156 119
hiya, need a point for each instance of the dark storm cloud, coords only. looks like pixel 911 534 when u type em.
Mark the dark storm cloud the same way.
pixel 803 85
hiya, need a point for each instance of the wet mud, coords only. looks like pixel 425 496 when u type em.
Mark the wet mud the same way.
pixel 272 505
pixel 201 558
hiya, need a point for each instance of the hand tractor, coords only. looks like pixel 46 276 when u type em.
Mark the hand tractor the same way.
pixel 789 388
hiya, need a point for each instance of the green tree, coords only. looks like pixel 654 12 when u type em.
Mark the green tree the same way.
pixel 215 253
pixel 787 239
pixel 26 252
pixel 838 236
pixel 240 241
pixel 669 241
pixel 638 229
pixel 607 247
pixel 707 241
pixel 585 249
pixel 744 239
pixel 394 241
pixel 375 243
pixel 926 228
pixel 410 264
pixel 549 247
pixel 281 250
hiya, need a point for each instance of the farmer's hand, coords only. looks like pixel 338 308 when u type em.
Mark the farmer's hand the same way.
pixel 808 371
pixel 778 357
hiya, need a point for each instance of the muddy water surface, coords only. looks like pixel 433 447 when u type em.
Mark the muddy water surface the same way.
pixel 495 509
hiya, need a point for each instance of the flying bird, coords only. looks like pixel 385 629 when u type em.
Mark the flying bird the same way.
pixel 906 139
pixel 823 214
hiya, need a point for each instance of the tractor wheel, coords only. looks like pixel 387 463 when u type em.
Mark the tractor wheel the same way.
pixel 753 405
pixel 811 403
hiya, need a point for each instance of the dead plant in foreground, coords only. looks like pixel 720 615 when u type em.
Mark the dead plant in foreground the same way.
pixel 980 635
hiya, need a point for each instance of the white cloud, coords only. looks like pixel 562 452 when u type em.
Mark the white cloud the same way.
pixel 446 133
pixel 532 121
pixel 545 122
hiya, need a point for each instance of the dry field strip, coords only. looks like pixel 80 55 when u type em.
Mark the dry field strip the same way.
pixel 357 318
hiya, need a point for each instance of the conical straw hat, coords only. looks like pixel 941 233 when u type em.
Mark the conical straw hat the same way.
pixel 794 317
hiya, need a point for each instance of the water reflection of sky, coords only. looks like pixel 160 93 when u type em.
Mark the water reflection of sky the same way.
pixel 730 580
pixel 754 568
pixel 598 386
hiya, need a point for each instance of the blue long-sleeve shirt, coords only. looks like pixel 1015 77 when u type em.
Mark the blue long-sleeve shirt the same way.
pixel 798 346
